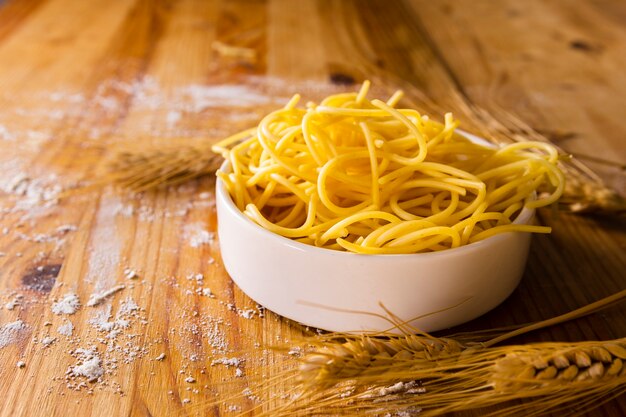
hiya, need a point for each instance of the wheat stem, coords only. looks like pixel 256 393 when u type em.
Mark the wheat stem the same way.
pixel 588 309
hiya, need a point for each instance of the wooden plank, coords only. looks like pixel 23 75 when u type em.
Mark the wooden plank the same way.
pixel 77 78
pixel 552 63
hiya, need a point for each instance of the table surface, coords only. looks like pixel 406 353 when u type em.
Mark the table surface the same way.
pixel 78 78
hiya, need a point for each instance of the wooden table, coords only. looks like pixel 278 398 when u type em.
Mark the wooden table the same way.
pixel 78 78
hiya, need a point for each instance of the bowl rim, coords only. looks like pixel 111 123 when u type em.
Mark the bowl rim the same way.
pixel 222 194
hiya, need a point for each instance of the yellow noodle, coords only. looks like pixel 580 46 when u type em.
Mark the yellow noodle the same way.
pixel 413 237
pixel 222 146
pixel 265 195
pixel 399 208
pixel 373 164
pixel 363 92
pixel 292 215
pixel 386 233
pixel 339 229
pixel 253 212
pixel 509 228
pixel 360 175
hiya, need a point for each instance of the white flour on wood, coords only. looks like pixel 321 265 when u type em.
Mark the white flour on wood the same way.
pixel 105 245
pixel 12 332
pixel 97 298
pixel 197 235
pixel 88 365
pixel 66 329
pixel 67 305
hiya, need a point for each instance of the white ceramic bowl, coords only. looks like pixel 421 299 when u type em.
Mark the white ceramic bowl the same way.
pixel 308 284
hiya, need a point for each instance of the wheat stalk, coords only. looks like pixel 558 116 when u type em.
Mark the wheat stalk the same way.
pixel 431 377
pixel 372 358
pixel 376 374
pixel 436 377
pixel 141 168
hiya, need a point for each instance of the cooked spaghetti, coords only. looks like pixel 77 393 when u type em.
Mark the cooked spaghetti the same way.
pixel 360 175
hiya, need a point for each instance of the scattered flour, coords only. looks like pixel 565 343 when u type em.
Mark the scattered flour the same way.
pixel 197 235
pixel 410 387
pixel 228 362
pixel 67 305
pixel 33 193
pixel 125 210
pixel 97 298
pixel 127 307
pixel 199 278
pixel 66 329
pixel 11 332
pixel 89 365
pixel 105 246
pixel 101 322
pixel 207 292
pixel 5 134
pixel 172 118
pixel 175 109
pixel 249 394
pixel 246 314
pixel 201 97
pixel 66 228
pixel 16 301
pixel 47 341
pixel 112 328
pixel 130 274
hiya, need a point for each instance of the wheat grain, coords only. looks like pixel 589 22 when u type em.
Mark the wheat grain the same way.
pixel 583 363
pixel 142 168
pixel 373 359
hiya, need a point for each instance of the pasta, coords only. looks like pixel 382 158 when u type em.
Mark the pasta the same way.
pixel 362 176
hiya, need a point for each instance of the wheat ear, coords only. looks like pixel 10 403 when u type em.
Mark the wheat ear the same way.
pixel 376 374
pixel 356 373
pixel 563 378
pixel 546 366
pixel 373 360
pixel 376 359
pixel 140 168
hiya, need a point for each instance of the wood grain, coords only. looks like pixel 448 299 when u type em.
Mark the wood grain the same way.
pixel 77 78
